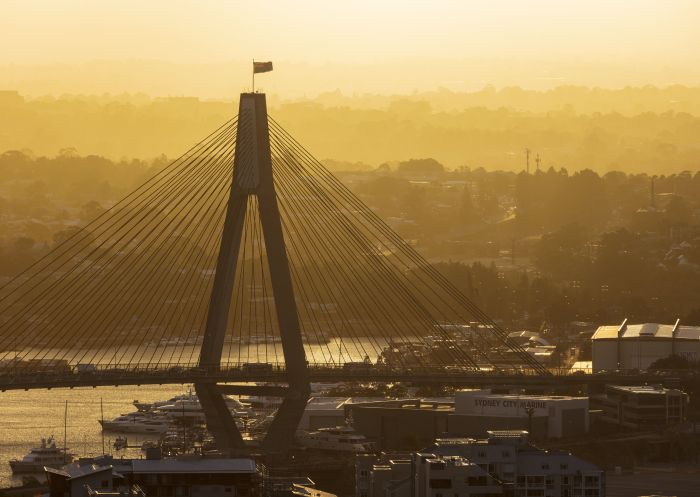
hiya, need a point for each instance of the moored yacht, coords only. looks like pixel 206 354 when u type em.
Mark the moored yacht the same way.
pixel 47 455
pixel 137 422
pixel 190 402
pixel 338 439
pixel 147 406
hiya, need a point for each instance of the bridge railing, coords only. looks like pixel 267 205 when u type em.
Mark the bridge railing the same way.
pixel 241 371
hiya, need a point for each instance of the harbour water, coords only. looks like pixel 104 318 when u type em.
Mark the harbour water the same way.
pixel 26 417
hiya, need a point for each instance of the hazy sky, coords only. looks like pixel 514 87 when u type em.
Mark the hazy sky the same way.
pixel 650 36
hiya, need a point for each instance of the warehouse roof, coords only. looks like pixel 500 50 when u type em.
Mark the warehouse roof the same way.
pixel 648 330
pixel 206 466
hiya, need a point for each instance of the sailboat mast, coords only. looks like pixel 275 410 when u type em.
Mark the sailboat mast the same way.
pixel 65 433
pixel 102 415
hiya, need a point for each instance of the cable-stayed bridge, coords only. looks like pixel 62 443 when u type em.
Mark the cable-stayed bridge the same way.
pixel 244 260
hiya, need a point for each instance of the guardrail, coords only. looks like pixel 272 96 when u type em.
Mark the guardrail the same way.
pixel 136 374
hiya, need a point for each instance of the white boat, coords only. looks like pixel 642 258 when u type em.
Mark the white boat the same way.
pixel 147 406
pixel 190 399
pixel 48 455
pixel 183 409
pixel 137 422
pixel 192 409
pixel 338 439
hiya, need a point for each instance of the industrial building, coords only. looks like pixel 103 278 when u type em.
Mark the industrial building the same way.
pixel 192 477
pixel 324 412
pixel 637 346
pixel 504 463
pixel 641 407
pixel 545 416
pixel 413 423
pixel 406 424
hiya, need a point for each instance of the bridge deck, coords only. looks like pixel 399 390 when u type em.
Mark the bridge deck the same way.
pixel 277 374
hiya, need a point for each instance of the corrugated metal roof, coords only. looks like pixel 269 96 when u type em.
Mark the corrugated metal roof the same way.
pixel 648 330
pixel 193 466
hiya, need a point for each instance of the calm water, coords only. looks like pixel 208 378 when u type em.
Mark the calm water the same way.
pixel 25 417
pixel 337 350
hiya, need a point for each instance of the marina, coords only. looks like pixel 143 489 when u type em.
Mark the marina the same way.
pixel 27 415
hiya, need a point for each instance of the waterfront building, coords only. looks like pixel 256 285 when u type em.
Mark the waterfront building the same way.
pixel 406 424
pixel 193 476
pixel 641 407
pixel 78 480
pixel 324 412
pixel 543 416
pixel 504 463
pixel 196 477
pixel 409 424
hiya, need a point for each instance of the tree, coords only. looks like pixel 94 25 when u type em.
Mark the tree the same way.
pixel 421 167
pixel 677 211
pixel 562 253
pixel 91 211
pixel 467 212
pixel 671 362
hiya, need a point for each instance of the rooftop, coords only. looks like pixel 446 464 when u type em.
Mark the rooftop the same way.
pixel 641 389
pixel 510 396
pixel 648 330
pixel 193 466
pixel 76 470
pixel 318 403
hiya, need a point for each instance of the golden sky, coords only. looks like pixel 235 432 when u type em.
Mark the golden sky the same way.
pixel 566 42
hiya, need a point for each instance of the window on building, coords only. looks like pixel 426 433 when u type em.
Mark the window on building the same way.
pixel 440 483
pixel 591 481
pixel 535 481
pixel 363 472
pixel 477 481
pixel 563 466
pixel 545 466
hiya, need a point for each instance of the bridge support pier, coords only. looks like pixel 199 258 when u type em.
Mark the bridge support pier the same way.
pixel 253 176
pixel 220 422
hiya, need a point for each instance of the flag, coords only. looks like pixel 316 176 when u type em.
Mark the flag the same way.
pixel 262 67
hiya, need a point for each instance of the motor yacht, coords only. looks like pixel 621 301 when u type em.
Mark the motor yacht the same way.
pixel 137 422
pixel 46 455
pixel 338 439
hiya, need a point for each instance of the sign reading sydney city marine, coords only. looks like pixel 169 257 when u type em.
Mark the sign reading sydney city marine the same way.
pixel 510 403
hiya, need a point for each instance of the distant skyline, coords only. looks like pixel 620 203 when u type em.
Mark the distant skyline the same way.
pixel 204 48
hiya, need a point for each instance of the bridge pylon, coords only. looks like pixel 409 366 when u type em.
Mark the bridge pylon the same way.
pixel 253 176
